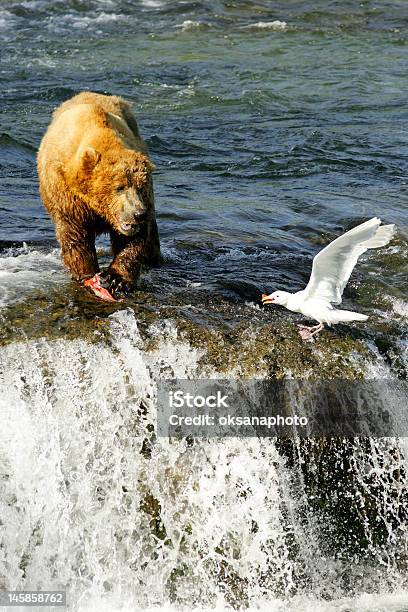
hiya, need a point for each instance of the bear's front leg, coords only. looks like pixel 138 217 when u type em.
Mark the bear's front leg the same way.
pixel 130 252
pixel 78 250
pixel 124 270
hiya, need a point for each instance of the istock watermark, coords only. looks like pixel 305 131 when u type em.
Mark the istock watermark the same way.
pixel 178 399
pixel 290 408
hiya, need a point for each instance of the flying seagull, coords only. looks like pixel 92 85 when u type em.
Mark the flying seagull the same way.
pixel 331 271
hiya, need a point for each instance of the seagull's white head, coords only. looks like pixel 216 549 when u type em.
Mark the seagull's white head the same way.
pixel 277 297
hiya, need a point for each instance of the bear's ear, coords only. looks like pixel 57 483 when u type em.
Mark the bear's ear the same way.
pixel 147 164
pixel 88 160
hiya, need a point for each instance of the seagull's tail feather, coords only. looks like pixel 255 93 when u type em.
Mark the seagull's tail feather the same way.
pixel 344 316
pixel 381 237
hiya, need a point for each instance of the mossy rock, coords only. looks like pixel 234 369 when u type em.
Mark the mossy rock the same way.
pixel 276 350
pixel 236 338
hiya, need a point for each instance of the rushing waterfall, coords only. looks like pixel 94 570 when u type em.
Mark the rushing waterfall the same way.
pixel 93 502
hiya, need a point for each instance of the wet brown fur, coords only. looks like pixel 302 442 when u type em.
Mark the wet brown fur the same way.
pixel 90 150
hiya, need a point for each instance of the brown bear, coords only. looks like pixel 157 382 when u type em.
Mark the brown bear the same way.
pixel 95 177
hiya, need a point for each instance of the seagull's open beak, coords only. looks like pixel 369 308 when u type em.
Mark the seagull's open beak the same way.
pixel 266 299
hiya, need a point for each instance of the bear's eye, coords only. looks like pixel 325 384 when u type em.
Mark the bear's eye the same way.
pixel 121 188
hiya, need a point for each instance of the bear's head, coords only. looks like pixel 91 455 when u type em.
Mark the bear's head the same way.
pixel 117 186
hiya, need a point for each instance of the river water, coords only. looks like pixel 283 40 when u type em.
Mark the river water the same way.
pixel 275 126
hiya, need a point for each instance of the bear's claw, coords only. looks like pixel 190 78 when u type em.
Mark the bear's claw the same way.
pixel 113 282
pixel 94 284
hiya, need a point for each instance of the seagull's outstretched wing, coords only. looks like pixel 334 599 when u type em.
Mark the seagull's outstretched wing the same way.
pixel 334 264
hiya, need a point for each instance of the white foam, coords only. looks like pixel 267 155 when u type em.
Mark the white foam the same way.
pixel 7 19
pixel 106 17
pixel 193 284
pixel 400 307
pixel 268 25
pixel 170 253
pixel 152 3
pixel 238 254
pixel 24 269
pixel 189 25
pixel 68 21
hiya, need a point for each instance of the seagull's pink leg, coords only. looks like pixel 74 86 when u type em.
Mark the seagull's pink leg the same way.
pixel 308 332
pixel 317 329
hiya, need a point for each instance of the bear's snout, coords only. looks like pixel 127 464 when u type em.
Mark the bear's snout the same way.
pixel 140 216
pixel 133 213
pixel 133 204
